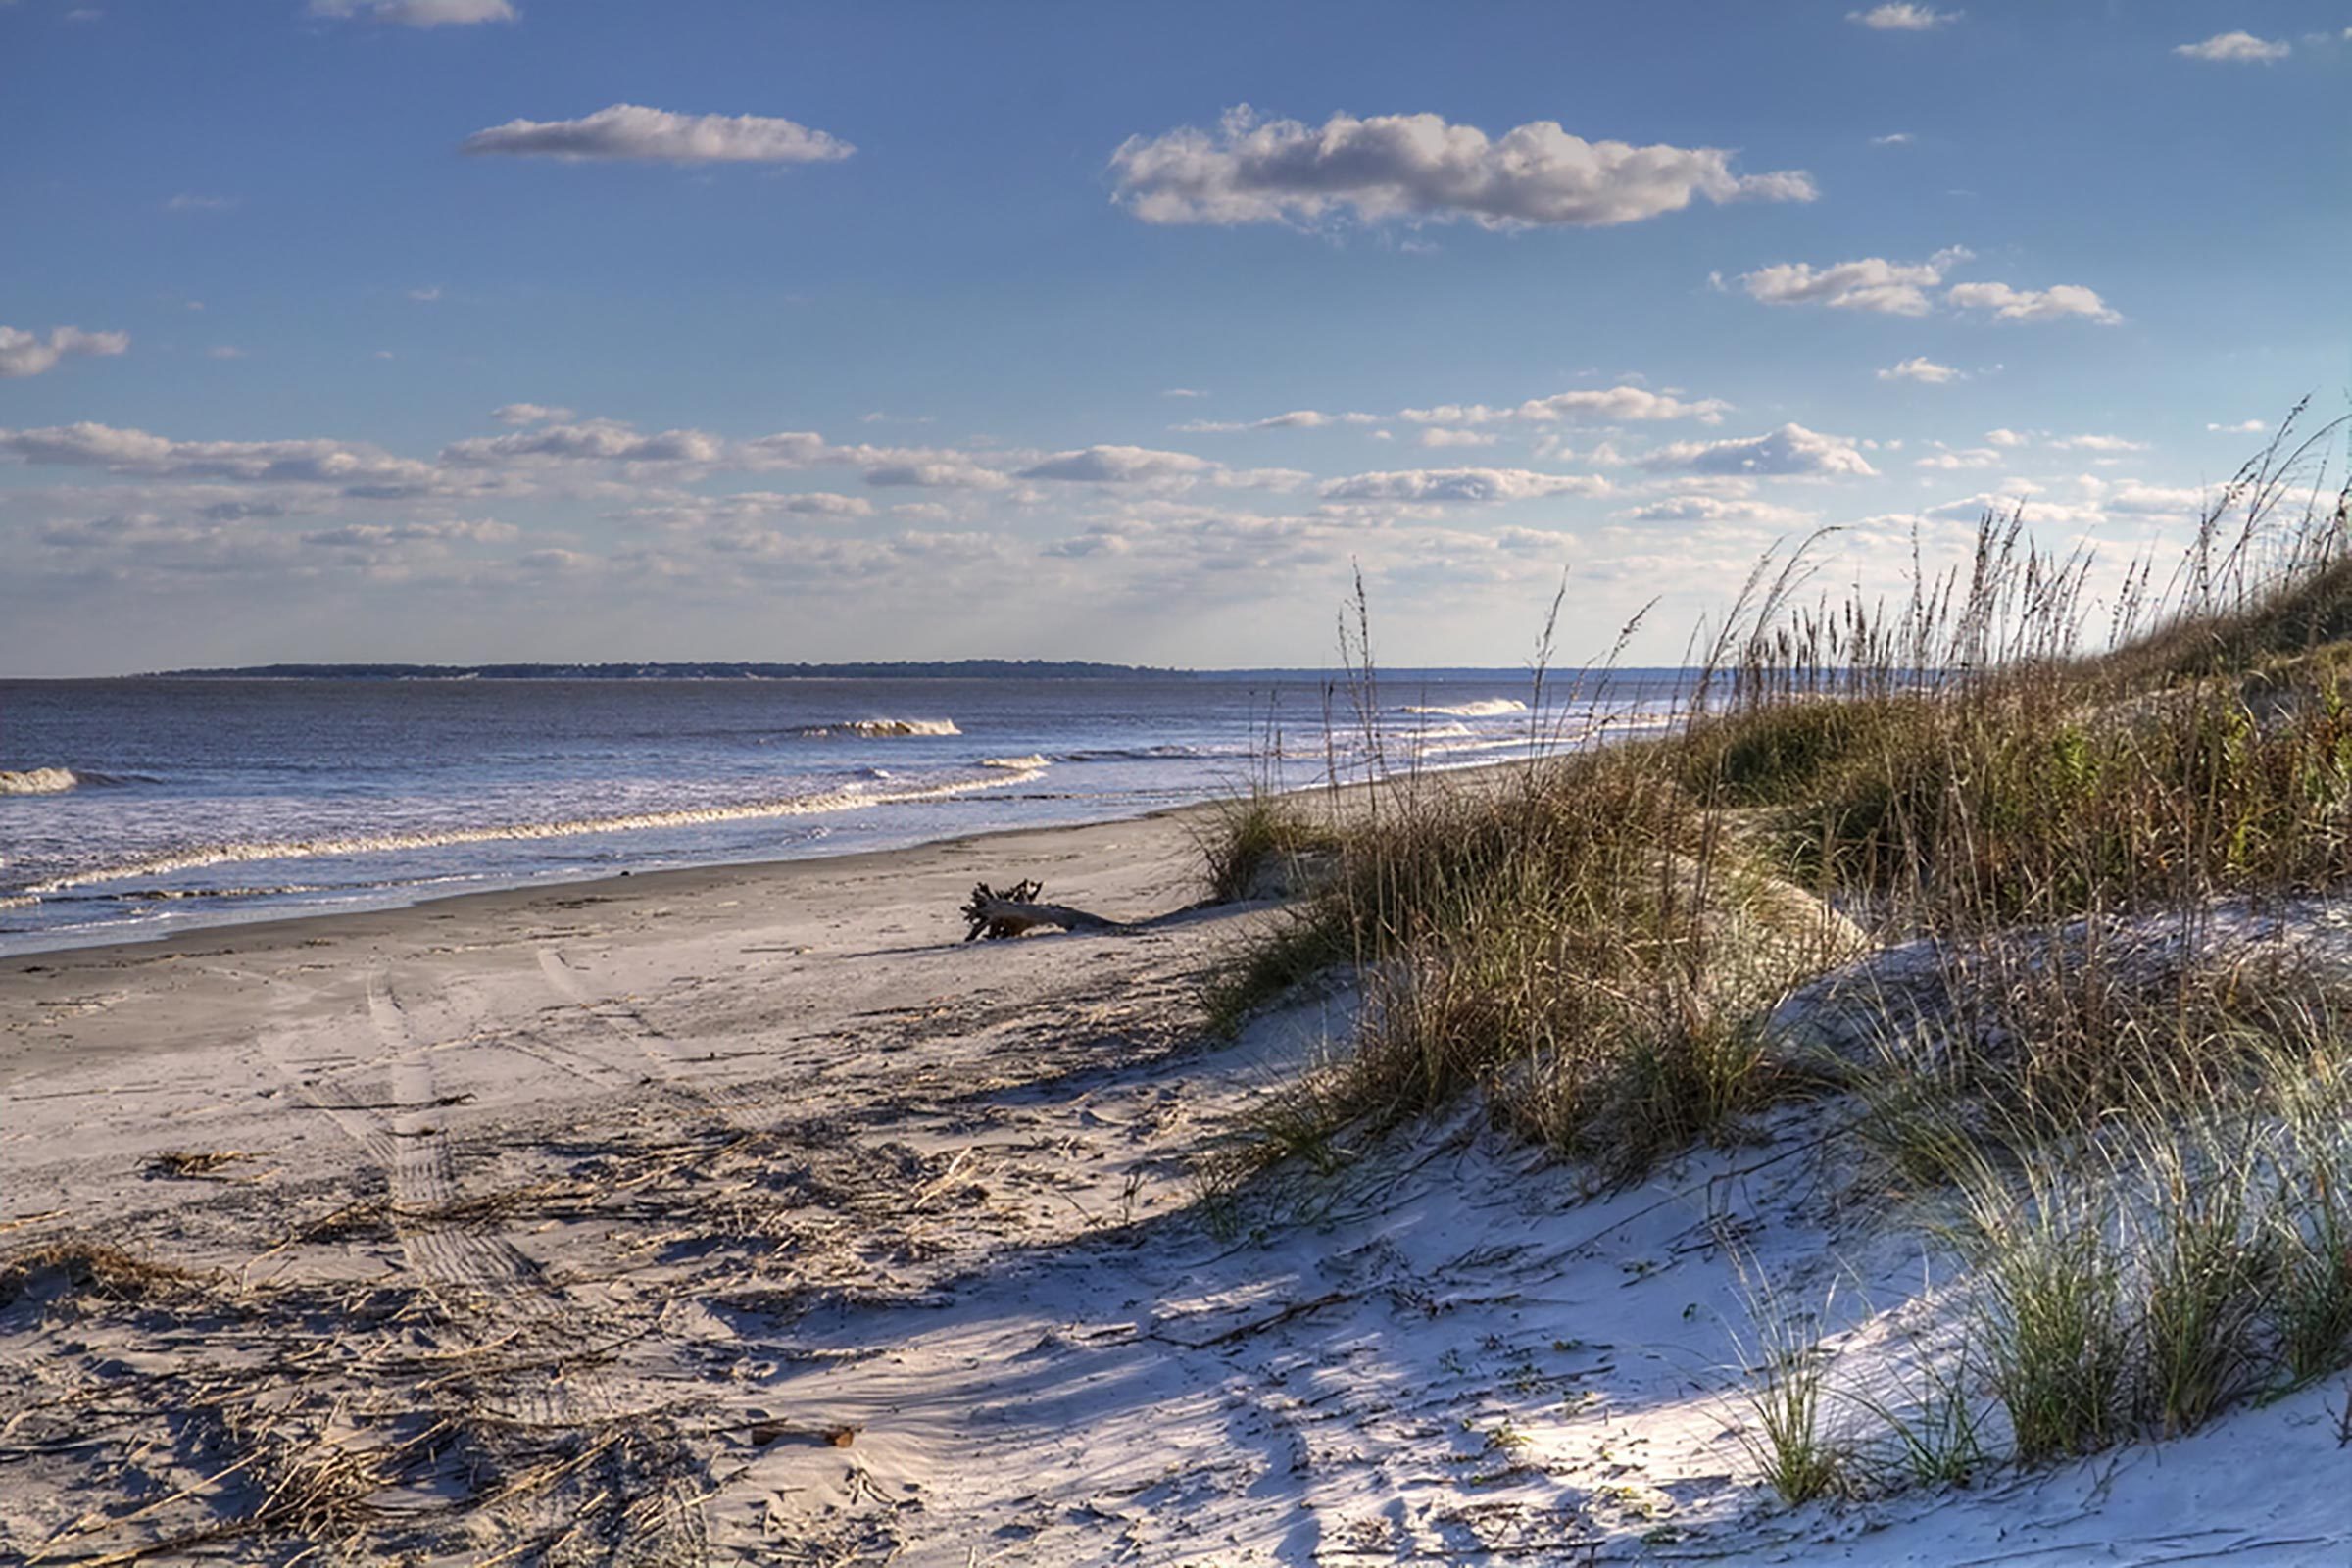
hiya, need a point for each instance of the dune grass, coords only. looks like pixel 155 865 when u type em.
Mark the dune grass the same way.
pixel 2070 830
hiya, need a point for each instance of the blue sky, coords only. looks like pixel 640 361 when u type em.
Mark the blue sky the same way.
pixel 468 329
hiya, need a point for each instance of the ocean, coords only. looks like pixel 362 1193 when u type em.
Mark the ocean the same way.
pixel 140 808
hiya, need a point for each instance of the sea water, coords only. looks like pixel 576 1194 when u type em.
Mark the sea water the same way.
pixel 138 807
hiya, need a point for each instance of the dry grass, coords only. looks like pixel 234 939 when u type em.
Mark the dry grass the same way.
pixel 2037 866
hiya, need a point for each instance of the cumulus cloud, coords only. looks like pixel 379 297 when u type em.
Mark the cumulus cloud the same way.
pixel 2151 500
pixel 1421 168
pixel 745 507
pixel 1954 458
pixel 528 413
pixel 1902 18
pixel 1118 464
pixel 371 536
pixel 1902 288
pixel 2007 439
pixel 2097 443
pixel 24 353
pixel 603 440
pixel 1439 436
pixel 657 135
pixel 2051 304
pixel 1462 485
pixel 1610 405
pixel 1921 369
pixel 1294 420
pixel 123 451
pixel 2236 48
pixel 944 471
pixel 1790 451
pixel 1870 284
pixel 1701 507
pixel 420 13
pixel 2241 428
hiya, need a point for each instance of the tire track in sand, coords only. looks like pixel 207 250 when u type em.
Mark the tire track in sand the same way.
pixel 499 1303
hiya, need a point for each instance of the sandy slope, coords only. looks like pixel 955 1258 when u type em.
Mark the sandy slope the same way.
pixel 746 1216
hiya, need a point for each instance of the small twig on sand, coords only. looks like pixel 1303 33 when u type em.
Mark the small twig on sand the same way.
pixel 1261 1325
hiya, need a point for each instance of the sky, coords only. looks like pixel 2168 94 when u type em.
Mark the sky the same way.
pixel 464 330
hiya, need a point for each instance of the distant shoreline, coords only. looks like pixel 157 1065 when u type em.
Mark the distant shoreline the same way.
pixel 691 669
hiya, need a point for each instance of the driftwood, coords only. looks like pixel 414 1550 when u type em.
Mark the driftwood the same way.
pixel 1014 911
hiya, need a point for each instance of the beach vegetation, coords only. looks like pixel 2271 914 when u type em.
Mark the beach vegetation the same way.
pixel 2037 882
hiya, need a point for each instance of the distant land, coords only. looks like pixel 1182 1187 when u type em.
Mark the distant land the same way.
pixel 700 669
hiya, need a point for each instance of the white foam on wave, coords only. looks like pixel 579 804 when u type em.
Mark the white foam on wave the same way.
pixel 1031 763
pixel 882 728
pixel 38 781
pixel 846 798
pixel 1483 708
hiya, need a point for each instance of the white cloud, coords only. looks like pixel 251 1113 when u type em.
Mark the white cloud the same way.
pixel 1901 288
pixel 1460 484
pixel 420 13
pixel 123 451
pixel 1792 450
pixel 2238 48
pixel 24 353
pixel 934 472
pixel 1903 18
pixel 1184 392
pixel 751 507
pixel 2007 439
pixel 425 296
pixel 1421 167
pixel 1895 138
pixel 2180 501
pixel 603 440
pixel 1921 369
pixel 1613 405
pixel 1294 420
pixel 1950 458
pixel 528 413
pixel 373 536
pixel 1622 404
pixel 2033 304
pixel 633 131
pixel 1118 464
pixel 188 201
pixel 2241 428
pixel 2097 443
pixel 1700 506
pixel 1438 435
pixel 1870 284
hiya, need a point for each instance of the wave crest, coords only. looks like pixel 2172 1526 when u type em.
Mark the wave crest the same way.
pixel 38 781
pixel 846 798
pixel 1483 708
pixel 881 728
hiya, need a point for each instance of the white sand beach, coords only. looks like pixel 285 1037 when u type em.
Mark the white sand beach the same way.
pixel 751 1215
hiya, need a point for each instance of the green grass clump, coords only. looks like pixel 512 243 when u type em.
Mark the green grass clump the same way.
pixel 1258 844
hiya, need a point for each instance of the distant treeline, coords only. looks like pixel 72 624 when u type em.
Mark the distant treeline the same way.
pixel 714 670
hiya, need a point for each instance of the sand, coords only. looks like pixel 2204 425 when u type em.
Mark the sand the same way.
pixel 749 1214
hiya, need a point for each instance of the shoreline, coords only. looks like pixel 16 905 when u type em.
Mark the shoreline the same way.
pixel 85 943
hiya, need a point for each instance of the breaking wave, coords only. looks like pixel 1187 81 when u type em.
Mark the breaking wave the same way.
pixel 881 728
pixel 1483 708
pixel 1031 763
pixel 39 782
pixel 846 798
